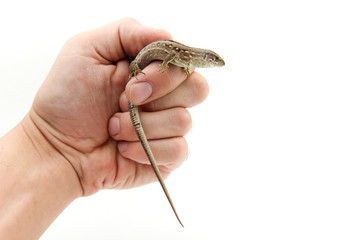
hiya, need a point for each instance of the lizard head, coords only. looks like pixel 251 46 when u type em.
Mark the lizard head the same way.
pixel 212 59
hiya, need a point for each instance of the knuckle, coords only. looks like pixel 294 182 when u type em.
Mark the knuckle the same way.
pixel 130 20
pixel 74 40
pixel 182 120
pixel 200 89
pixel 179 149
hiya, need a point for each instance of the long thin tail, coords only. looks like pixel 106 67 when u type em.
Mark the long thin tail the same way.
pixel 134 114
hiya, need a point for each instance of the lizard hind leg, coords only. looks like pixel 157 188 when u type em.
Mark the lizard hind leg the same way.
pixel 165 63
pixel 134 70
pixel 186 69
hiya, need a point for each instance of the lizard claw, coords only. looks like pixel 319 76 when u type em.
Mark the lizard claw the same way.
pixel 135 70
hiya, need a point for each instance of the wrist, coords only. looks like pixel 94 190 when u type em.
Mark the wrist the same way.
pixel 37 182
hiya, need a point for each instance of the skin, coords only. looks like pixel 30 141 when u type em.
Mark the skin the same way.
pixel 77 138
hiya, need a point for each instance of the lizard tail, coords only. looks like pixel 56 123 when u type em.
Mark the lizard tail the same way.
pixel 134 114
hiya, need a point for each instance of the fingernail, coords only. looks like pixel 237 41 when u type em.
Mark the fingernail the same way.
pixel 114 126
pixel 139 92
pixel 122 146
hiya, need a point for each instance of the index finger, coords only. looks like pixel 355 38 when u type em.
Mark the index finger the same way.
pixel 154 83
pixel 118 40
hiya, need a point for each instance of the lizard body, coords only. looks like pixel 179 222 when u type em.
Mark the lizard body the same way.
pixel 177 54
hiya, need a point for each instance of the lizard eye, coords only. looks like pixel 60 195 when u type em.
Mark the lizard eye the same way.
pixel 219 60
pixel 211 58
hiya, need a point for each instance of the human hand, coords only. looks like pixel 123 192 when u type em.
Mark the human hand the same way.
pixel 87 86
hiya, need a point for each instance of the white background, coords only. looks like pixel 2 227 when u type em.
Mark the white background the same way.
pixel 274 150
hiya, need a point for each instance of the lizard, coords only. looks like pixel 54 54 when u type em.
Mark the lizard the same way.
pixel 169 52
